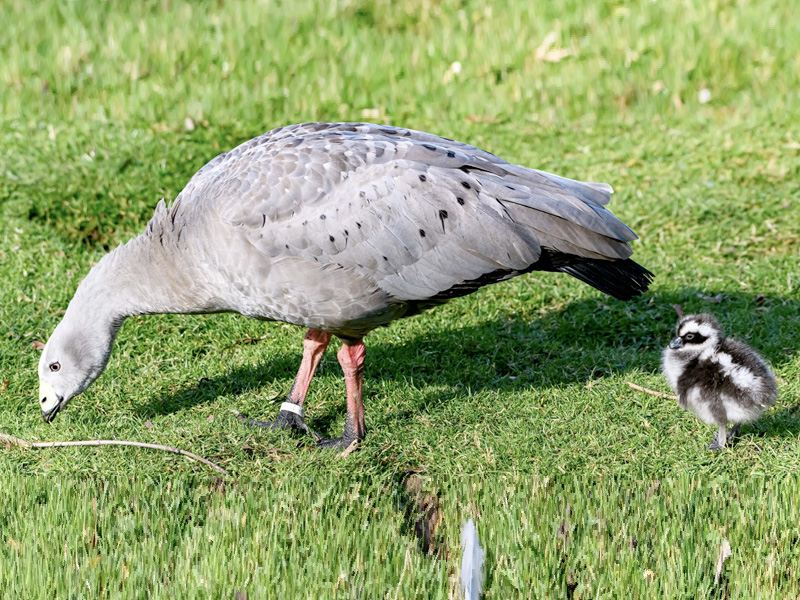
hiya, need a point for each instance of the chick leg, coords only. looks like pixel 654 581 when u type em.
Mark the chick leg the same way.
pixel 291 414
pixel 351 358
pixel 733 432
pixel 720 438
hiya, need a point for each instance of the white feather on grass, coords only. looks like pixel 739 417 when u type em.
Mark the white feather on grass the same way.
pixel 471 563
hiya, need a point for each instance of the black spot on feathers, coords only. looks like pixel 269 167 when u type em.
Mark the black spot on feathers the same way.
pixel 331 238
pixel 451 154
pixel 429 147
pixel 358 224
pixel 386 259
pixel 322 217
pixel 422 177
pixel 263 220
pixel 442 217
pixel 460 200
pixel 421 233
pixel 466 185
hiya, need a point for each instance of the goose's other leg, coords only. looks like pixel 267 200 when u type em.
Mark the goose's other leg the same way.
pixel 291 414
pixel 351 357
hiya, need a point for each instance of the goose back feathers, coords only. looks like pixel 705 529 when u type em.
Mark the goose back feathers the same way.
pixel 347 226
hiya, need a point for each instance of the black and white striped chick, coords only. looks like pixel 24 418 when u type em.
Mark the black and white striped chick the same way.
pixel 719 379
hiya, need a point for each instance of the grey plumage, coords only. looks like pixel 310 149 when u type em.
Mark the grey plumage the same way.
pixel 341 228
pixel 368 223
pixel 719 379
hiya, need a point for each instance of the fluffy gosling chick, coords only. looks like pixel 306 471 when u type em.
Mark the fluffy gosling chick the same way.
pixel 719 379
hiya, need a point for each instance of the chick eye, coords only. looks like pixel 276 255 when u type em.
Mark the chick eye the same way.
pixel 54 367
pixel 689 337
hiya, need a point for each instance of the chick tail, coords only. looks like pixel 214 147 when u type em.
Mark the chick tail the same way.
pixel 622 279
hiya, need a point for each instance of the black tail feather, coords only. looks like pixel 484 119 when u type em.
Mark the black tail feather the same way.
pixel 622 279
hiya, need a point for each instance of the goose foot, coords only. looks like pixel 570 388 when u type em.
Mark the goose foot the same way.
pixel 340 443
pixel 348 437
pixel 284 420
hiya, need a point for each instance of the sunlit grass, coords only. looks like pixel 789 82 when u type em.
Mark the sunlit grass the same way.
pixel 323 538
pixel 511 403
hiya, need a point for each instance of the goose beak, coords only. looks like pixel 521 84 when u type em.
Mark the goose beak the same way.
pixel 50 401
pixel 676 343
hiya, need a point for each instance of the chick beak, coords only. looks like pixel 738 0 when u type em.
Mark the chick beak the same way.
pixel 676 343
pixel 50 401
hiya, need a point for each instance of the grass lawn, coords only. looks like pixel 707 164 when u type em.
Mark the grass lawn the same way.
pixel 511 405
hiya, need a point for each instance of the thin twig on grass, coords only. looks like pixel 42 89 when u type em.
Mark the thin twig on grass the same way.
pixel 165 360
pixel 651 392
pixel 19 442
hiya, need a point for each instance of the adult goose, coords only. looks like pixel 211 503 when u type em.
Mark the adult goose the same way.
pixel 339 228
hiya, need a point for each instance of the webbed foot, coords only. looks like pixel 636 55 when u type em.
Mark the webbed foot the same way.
pixel 348 441
pixel 725 437
pixel 341 443
pixel 286 419
pixel 719 439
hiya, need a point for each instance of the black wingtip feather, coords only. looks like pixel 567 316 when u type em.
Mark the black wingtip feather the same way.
pixel 622 279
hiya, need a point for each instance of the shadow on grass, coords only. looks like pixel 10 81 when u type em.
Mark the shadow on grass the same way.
pixel 588 339
pixel 591 338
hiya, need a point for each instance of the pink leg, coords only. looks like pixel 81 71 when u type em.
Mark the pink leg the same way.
pixel 351 357
pixel 314 346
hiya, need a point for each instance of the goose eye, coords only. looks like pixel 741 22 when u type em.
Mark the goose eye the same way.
pixel 54 367
pixel 689 337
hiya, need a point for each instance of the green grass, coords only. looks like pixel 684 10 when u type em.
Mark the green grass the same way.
pixel 518 386
pixel 300 537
